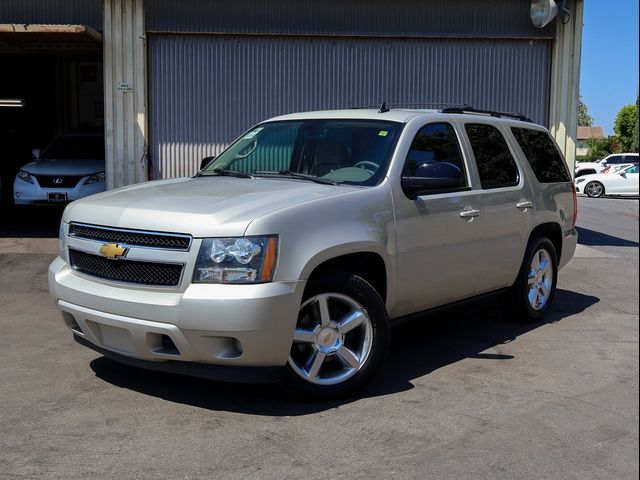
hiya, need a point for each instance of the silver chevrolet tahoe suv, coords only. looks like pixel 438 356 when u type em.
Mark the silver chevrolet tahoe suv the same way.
pixel 288 257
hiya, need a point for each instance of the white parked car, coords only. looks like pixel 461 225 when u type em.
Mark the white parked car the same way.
pixel 622 182
pixel 71 167
pixel 589 168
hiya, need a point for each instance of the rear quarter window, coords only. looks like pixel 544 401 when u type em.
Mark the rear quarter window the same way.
pixel 543 156
pixel 496 165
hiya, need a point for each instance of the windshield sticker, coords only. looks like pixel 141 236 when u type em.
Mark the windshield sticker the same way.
pixel 383 133
pixel 252 134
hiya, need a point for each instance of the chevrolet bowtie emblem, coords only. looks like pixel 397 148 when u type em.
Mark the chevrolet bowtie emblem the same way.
pixel 113 251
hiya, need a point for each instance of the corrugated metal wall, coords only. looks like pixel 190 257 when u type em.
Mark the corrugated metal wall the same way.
pixel 61 12
pixel 207 89
pixel 462 18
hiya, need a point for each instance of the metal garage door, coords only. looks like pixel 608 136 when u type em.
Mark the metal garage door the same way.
pixel 205 90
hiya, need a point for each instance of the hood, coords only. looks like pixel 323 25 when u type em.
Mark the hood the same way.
pixel 55 166
pixel 202 206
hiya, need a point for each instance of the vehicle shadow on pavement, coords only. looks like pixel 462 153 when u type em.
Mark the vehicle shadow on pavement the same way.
pixel 595 238
pixel 417 349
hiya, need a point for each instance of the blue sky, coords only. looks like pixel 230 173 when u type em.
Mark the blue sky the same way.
pixel 609 69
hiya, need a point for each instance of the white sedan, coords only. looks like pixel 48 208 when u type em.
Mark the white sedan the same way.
pixel 71 167
pixel 622 182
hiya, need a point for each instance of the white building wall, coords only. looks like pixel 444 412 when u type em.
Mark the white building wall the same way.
pixel 565 82
pixel 125 92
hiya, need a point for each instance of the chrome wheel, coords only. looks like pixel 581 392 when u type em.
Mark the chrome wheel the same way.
pixel 332 340
pixel 540 280
pixel 595 189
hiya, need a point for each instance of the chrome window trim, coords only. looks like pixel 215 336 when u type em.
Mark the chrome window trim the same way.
pixel 127 230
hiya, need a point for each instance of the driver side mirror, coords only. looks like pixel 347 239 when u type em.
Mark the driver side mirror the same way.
pixel 35 153
pixel 431 177
pixel 206 161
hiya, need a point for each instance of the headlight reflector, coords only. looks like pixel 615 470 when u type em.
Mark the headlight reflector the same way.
pixel 95 178
pixel 25 176
pixel 236 260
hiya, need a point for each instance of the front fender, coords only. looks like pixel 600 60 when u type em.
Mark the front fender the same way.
pixel 359 220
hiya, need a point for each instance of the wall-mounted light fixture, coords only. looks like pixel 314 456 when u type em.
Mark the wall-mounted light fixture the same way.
pixel 542 12
pixel 11 102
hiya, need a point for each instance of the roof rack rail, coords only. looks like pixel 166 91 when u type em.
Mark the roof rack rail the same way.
pixel 386 106
pixel 467 109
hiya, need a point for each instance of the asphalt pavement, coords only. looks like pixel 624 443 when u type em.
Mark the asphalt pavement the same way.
pixel 464 393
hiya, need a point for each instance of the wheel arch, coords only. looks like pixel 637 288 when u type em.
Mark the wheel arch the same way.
pixel 368 264
pixel 553 232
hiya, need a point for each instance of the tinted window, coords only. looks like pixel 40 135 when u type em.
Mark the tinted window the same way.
pixel 496 166
pixel 542 155
pixel 436 142
pixel 631 159
pixel 76 148
pixel 615 160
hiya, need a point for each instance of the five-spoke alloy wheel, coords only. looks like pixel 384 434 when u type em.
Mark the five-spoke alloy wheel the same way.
pixel 533 292
pixel 540 279
pixel 340 339
pixel 333 339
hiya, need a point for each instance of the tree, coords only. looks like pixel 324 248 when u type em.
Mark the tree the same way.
pixel 601 147
pixel 584 119
pixel 635 139
pixel 624 125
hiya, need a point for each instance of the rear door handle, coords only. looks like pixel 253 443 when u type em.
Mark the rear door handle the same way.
pixel 524 205
pixel 469 213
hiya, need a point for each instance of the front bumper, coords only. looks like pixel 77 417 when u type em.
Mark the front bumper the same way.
pixel 172 330
pixel 25 193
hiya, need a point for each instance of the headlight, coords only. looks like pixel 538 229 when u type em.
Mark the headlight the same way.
pixel 26 176
pixel 95 178
pixel 580 180
pixel 236 260
pixel 62 248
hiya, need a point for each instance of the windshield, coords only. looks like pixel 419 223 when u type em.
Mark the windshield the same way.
pixel 76 148
pixel 355 152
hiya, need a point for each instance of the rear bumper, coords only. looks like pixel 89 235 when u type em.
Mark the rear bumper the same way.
pixel 569 243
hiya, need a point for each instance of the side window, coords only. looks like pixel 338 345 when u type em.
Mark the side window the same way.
pixel 633 169
pixel 496 165
pixel 617 160
pixel 542 155
pixel 435 142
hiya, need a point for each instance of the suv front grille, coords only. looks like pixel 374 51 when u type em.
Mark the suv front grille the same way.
pixel 131 237
pixel 58 181
pixel 129 271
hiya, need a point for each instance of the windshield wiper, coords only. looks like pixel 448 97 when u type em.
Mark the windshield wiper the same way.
pixel 225 173
pixel 298 176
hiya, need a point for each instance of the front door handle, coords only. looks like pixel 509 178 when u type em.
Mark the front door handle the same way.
pixel 469 213
pixel 524 205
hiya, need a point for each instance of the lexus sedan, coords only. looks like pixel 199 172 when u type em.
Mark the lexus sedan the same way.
pixel 71 167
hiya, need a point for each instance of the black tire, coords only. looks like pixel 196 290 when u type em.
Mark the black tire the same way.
pixel 360 291
pixel 520 308
pixel 594 189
